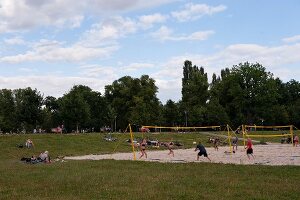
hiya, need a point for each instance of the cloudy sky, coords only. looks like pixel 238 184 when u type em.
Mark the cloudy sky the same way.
pixel 53 45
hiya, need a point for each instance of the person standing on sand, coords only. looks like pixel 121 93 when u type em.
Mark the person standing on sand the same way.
pixel 235 143
pixel 216 143
pixel 296 140
pixel 249 148
pixel 143 148
pixel 170 147
pixel 202 151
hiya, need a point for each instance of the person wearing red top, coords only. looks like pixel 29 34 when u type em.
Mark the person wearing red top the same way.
pixel 296 140
pixel 249 148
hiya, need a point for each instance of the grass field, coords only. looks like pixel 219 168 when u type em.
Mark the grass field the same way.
pixel 109 179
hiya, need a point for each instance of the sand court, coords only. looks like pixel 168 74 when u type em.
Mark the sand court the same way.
pixel 271 154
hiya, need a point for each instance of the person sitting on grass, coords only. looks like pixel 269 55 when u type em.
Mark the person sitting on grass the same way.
pixel 29 143
pixel 44 157
pixel 202 151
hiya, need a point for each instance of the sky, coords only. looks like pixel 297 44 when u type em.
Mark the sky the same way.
pixel 54 45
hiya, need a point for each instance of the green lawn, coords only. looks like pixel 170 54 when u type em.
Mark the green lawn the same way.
pixel 109 179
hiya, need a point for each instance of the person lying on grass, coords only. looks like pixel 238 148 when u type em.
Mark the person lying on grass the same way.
pixel 42 158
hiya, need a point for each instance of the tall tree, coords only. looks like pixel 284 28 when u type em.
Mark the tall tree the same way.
pixel 134 100
pixel 248 93
pixel 194 92
pixel 50 113
pixel 28 108
pixel 75 110
pixel 7 110
pixel 171 113
pixel 291 101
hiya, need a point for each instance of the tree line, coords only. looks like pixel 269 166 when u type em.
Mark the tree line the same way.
pixel 243 94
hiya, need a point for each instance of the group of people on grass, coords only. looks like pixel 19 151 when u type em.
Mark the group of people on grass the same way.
pixel 43 157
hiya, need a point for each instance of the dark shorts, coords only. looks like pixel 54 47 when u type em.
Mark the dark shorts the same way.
pixel 202 153
pixel 249 151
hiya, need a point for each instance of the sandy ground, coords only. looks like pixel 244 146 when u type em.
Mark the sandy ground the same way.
pixel 271 154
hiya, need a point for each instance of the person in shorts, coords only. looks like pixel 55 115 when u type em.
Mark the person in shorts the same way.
pixel 170 147
pixel 216 143
pixel 202 151
pixel 234 143
pixel 143 148
pixel 249 148
pixel 296 140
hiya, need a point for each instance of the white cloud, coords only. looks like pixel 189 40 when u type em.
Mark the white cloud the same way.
pixel 94 71
pixel 271 57
pixel 168 89
pixel 168 74
pixel 295 38
pixel 19 15
pixel 108 31
pixel 14 41
pixel 165 33
pixel 195 11
pixel 98 42
pixel 53 85
pixel 275 59
pixel 147 21
pixel 137 66
pixel 51 51
pixel 27 70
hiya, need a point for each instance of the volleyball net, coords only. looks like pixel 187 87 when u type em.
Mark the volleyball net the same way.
pixel 286 133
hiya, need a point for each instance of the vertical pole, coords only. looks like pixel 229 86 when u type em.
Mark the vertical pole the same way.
pixel 132 144
pixel 185 112
pixel 229 139
pixel 243 129
pixel 292 133
pixel 115 124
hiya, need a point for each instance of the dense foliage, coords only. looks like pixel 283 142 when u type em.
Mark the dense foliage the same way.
pixel 244 94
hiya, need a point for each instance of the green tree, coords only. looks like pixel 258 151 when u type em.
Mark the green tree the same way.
pixel 134 100
pixel 28 108
pixel 50 113
pixel 75 111
pixel 194 92
pixel 248 93
pixel 216 114
pixel 291 101
pixel 7 110
pixel 171 113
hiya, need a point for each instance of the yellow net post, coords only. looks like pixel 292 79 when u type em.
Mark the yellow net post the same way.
pixel 132 143
pixel 243 130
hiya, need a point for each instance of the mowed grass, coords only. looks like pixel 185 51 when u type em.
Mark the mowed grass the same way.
pixel 109 179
